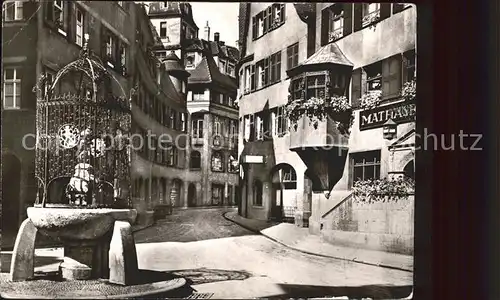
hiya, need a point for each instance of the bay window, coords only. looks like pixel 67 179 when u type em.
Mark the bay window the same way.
pixel 316 86
pixel 11 88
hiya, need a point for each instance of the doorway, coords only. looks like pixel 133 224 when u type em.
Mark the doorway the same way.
pixel 192 195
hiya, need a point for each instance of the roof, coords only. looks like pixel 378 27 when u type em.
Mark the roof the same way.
pixel 207 72
pixel 173 9
pixel 213 48
pixel 172 65
pixel 328 54
pixel 306 11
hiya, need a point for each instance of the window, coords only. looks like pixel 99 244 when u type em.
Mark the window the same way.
pixel 109 46
pixel 371 13
pixel 195 160
pixel 222 66
pixel 11 88
pixel 198 96
pixel 217 162
pixel 161 55
pixel 391 76
pixel 173 119
pixel 183 122
pixel 336 22
pixel 316 86
pixel 365 165
pixel 172 155
pixel 268 20
pixel 217 126
pixel 190 60
pixel 233 166
pixel 248 79
pixel 233 132
pixel 398 7
pixel 263 126
pixel 58 13
pixel 281 122
pixel 79 27
pixel 49 75
pixel 13 11
pixel 230 70
pixel 409 67
pixel 373 76
pixel 163 29
pixel 197 128
pixel 217 194
pixel 292 54
pixel 287 174
pixel 123 58
pixel 257 193
pixel 275 68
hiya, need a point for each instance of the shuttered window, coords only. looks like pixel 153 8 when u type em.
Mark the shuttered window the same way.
pixel 356 87
pixel 391 76
pixel 348 12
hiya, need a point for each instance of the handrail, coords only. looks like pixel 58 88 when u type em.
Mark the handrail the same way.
pixel 338 204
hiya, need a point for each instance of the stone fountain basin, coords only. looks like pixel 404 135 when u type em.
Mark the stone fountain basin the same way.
pixel 77 223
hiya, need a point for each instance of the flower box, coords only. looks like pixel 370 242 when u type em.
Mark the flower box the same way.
pixel 325 133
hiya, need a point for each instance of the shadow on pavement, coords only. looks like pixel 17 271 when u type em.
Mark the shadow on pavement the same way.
pixel 203 275
pixel 352 292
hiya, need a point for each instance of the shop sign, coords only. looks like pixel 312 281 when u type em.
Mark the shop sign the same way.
pixel 402 112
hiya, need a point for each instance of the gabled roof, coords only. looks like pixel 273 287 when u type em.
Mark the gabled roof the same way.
pixel 213 48
pixel 328 54
pixel 207 72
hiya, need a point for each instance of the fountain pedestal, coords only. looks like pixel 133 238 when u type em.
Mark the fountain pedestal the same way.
pixel 103 248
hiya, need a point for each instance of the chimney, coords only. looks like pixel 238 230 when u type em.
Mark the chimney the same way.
pixel 207 32
pixel 216 37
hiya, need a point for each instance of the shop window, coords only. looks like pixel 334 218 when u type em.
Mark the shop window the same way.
pixel 11 88
pixel 195 160
pixel 365 165
pixel 217 162
pixel 257 193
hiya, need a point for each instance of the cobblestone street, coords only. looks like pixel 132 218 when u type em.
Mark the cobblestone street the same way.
pixel 188 225
pixel 228 261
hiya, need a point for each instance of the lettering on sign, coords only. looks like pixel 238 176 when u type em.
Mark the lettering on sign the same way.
pixel 402 112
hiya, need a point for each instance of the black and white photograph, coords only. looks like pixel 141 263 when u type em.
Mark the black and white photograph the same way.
pixel 208 150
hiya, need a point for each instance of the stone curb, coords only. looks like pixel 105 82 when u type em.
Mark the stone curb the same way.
pixel 318 254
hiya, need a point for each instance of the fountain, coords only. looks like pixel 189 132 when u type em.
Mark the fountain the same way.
pixel 82 167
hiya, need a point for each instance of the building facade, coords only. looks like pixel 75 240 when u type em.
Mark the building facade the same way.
pixel 211 153
pixel 378 42
pixel 39 39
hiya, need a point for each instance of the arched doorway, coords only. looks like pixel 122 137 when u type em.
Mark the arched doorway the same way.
pixel 11 178
pixel 284 180
pixel 191 195
pixel 409 170
pixel 175 193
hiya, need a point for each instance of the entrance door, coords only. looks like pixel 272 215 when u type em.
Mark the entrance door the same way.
pixel 192 195
pixel 278 207
pixel 11 178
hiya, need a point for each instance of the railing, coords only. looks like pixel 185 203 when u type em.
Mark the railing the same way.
pixel 337 205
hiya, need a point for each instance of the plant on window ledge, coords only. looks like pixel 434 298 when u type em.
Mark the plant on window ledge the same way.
pixel 370 20
pixel 383 190
pixel 409 90
pixel 334 35
pixel 317 109
pixel 370 99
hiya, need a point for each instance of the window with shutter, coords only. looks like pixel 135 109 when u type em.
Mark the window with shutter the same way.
pixel 254 28
pixel 356 87
pixel 335 22
pixel 348 18
pixel 409 66
pixel 252 78
pixel 391 76
pixel 325 15
pixel 358 16
pixel 374 76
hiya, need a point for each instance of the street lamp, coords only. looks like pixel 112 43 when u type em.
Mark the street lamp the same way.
pixel 390 129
